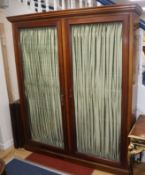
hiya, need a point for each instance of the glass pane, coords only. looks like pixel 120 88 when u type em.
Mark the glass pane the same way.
pixel 39 49
pixel 97 80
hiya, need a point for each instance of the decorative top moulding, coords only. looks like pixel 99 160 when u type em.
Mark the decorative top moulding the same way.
pixel 78 12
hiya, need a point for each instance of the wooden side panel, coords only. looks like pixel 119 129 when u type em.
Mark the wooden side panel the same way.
pixel 17 126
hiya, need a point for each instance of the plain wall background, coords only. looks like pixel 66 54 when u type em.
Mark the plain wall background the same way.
pixel 15 8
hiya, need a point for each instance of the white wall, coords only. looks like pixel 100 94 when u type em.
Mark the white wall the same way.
pixel 15 8
pixel 6 139
pixel 10 57
pixel 139 55
pixel 141 99
pixel 141 88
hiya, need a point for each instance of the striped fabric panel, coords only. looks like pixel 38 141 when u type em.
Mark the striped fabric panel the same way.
pixel 97 81
pixel 41 79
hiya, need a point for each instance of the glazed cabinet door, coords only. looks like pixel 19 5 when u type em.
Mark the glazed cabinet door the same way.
pixel 96 86
pixel 41 83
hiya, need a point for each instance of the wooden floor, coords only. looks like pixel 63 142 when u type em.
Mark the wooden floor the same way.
pixel 10 153
pixel 23 154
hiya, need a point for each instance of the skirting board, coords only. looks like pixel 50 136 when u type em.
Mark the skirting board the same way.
pixel 6 145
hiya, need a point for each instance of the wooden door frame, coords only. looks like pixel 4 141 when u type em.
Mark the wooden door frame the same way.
pixel 124 19
pixel 17 27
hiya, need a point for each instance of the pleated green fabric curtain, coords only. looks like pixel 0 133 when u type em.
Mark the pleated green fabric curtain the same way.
pixel 97 84
pixel 41 79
